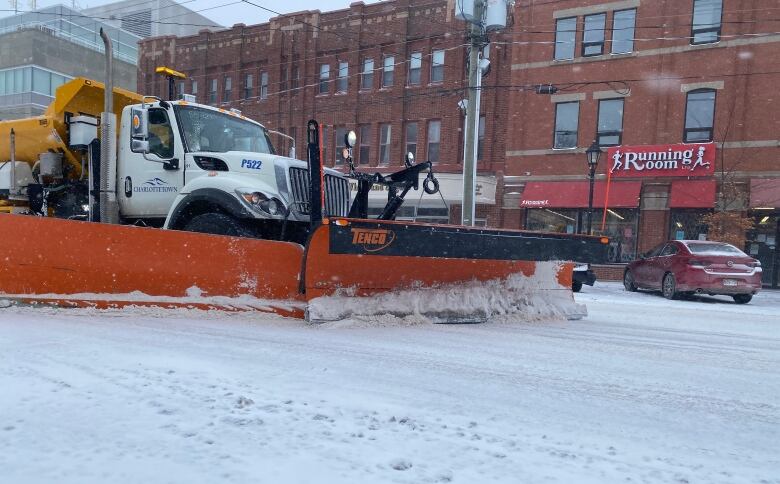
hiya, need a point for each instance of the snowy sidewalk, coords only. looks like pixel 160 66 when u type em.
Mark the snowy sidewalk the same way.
pixel 644 388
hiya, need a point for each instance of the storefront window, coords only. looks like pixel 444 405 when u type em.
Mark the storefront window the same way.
pixel 686 225
pixel 762 244
pixel 621 225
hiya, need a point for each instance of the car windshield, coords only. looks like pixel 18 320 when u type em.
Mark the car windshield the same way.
pixel 207 130
pixel 713 249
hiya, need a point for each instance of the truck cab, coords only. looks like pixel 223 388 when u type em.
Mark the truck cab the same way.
pixel 187 166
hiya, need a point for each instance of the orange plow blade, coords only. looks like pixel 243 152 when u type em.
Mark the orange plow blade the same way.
pixel 80 264
pixel 364 269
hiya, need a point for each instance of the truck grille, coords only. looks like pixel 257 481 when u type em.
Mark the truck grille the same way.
pixel 336 193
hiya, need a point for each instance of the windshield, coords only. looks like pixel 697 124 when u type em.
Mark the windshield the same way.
pixel 714 249
pixel 207 130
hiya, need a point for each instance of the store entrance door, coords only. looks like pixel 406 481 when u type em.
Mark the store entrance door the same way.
pixel 764 247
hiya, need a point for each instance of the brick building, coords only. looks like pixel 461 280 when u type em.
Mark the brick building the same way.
pixel 680 94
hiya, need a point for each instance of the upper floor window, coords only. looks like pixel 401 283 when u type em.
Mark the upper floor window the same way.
pixel 341 131
pixel 434 140
pixel 365 145
pixel 566 124
pixel 263 85
pixel 324 78
pixel 565 34
pixel 367 76
pixel 623 26
pixel 411 139
pixel 194 88
pixel 384 143
pixel 388 69
pixel 227 94
pixel 296 74
pixel 248 86
pixel 341 81
pixel 593 36
pixel 610 125
pixel 706 21
pixel 481 138
pixel 213 92
pixel 699 116
pixel 415 68
pixel 437 66
pixel 180 89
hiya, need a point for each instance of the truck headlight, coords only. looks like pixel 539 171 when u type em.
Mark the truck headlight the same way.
pixel 260 201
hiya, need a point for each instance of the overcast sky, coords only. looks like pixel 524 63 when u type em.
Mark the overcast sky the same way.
pixel 224 12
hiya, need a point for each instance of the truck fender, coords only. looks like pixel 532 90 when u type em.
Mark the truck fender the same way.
pixel 201 201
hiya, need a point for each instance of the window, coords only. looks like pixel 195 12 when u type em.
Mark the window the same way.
pixel 213 92
pixel 324 135
pixel 411 139
pixel 415 67
pixel 388 69
pixel 263 85
pixel 283 80
pixel 593 38
pixel 365 145
pixel 367 77
pixel 565 34
pixel 623 24
pixel 434 138
pixel 160 133
pixel 384 144
pixel 249 86
pixel 566 122
pixel 324 78
pixel 699 116
pixel 342 80
pixel 706 21
pixel 180 89
pixel 296 75
pixel 227 93
pixel 437 66
pixel 194 88
pixel 481 138
pixel 610 126
pixel 341 131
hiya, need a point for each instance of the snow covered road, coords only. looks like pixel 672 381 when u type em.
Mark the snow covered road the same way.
pixel 643 390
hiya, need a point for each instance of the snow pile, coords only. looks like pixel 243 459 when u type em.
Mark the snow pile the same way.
pixel 517 298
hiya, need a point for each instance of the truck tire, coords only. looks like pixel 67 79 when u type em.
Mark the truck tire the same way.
pixel 217 224
pixel 576 286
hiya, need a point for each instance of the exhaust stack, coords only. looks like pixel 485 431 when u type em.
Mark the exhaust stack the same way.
pixel 109 209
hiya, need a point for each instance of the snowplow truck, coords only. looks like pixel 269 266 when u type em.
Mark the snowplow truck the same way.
pixel 183 166
pixel 181 205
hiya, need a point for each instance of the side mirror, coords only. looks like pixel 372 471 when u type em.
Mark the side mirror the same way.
pixel 350 139
pixel 139 146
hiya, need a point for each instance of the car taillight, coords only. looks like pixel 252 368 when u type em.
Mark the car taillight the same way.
pixel 697 263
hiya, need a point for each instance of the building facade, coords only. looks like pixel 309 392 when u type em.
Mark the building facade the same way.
pixel 678 95
pixel 41 50
pixel 151 18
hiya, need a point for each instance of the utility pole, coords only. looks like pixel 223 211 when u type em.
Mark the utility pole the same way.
pixel 476 40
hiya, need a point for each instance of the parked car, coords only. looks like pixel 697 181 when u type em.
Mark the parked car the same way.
pixel 687 267
pixel 582 275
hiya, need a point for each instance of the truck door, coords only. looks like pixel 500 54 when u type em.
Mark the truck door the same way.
pixel 147 187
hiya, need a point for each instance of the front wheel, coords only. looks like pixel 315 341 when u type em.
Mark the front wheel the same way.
pixel 628 281
pixel 742 298
pixel 217 224
pixel 669 287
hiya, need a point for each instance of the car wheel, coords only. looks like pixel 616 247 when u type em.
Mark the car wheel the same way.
pixel 628 281
pixel 669 286
pixel 742 298
pixel 576 286
pixel 217 224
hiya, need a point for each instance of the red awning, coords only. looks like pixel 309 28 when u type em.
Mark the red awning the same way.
pixel 764 193
pixel 692 194
pixel 574 194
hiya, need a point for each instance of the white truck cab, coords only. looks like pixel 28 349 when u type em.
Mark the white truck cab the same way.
pixel 205 169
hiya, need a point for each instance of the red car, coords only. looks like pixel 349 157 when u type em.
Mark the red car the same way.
pixel 687 267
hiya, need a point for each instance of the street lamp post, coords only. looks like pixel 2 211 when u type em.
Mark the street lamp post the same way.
pixel 593 153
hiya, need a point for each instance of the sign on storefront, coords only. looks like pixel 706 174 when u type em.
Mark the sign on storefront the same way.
pixel 662 160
